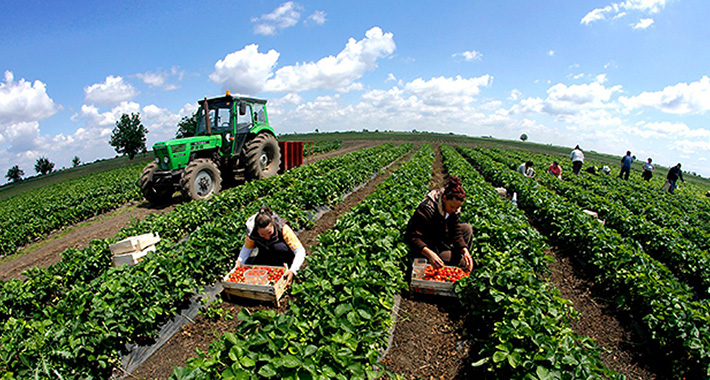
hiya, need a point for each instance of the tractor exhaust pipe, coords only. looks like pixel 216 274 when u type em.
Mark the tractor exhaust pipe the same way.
pixel 206 109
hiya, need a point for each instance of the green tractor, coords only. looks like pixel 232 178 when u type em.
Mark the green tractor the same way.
pixel 233 141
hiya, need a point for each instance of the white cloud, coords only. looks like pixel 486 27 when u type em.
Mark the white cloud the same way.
pixel 113 90
pixel 335 73
pixel 569 100
pixel 22 101
pixel 448 91
pixel 618 10
pixel 682 98
pixel 245 71
pixel 285 16
pixel 249 72
pixel 551 53
pixel 469 56
pixel 160 78
pixel 643 23
pixel 515 94
pixel 318 17
pixel 601 78
pixel 669 130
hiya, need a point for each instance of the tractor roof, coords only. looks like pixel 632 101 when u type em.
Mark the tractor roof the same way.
pixel 235 98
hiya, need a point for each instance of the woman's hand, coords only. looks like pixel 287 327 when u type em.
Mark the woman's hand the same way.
pixel 467 259
pixel 434 259
pixel 288 276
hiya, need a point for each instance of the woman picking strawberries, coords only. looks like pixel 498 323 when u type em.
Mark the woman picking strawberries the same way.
pixel 276 242
pixel 435 231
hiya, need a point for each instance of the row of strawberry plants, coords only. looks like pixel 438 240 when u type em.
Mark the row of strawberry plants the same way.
pixel 36 213
pixel 683 257
pixel 81 335
pixel 686 214
pixel 322 147
pixel 524 315
pixel 78 266
pixel 645 289
pixel 340 313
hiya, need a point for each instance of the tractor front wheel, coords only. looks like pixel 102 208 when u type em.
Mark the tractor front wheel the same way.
pixel 152 193
pixel 262 157
pixel 200 179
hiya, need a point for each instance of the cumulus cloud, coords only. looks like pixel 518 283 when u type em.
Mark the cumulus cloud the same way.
pixel 112 91
pixel 618 10
pixel 248 71
pixel 245 71
pixel 682 98
pixel 335 72
pixel 471 55
pixel 670 130
pixel 285 16
pixel 22 101
pixel 160 78
pixel 318 17
pixel 563 99
pixel 451 91
pixel 643 23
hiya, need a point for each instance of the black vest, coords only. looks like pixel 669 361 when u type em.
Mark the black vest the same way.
pixel 274 251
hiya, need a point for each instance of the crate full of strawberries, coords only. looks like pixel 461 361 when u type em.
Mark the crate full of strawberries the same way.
pixel 259 282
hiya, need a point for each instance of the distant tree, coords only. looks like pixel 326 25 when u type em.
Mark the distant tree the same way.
pixel 128 137
pixel 76 161
pixel 524 137
pixel 317 131
pixel 14 174
pixel 187 127
pixel 44 166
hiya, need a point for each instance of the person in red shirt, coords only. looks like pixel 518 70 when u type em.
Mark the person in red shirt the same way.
pixel 555 169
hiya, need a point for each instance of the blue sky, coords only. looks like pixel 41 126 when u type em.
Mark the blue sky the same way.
pixel 609 76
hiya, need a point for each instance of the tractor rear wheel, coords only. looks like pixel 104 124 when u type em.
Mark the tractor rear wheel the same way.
pixel 262 157
pixel 200 179
pixel 154 194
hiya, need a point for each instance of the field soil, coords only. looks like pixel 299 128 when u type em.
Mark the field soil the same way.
pixel 622 350
pixel 48 252
pixel 203 331
pixel 427 342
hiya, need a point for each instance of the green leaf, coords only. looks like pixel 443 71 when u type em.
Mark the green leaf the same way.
pixel 542 373
pixel 267 371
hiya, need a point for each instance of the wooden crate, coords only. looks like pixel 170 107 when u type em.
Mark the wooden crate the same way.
pixel 134 243
pixel 131 258
pixel 440 288
pixel 270 292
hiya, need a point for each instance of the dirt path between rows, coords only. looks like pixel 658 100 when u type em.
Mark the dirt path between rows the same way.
pixel 203 331
pixel 48 252
pixel 428 342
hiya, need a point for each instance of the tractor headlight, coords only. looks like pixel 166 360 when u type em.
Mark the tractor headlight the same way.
pixel 165 159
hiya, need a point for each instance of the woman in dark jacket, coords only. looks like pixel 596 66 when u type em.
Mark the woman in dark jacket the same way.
pixel 435 231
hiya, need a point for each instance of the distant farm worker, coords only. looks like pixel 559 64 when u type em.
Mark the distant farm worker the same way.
pixel 626 162
pixel 591 170
pixel 577 157
pixel 526 169
pixel 276 242
pixel 435 231
pixel 647 170
pixel 555 169
pixel 673 174
pixel 606 170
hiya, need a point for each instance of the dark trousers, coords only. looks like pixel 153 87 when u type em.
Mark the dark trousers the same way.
pixel 624 173
pixel 647 175
pixel 440 249
pixel 577 166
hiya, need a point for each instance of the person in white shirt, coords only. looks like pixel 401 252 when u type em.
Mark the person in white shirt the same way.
pixel 647 170
pixel 526 169
pixel 577 157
